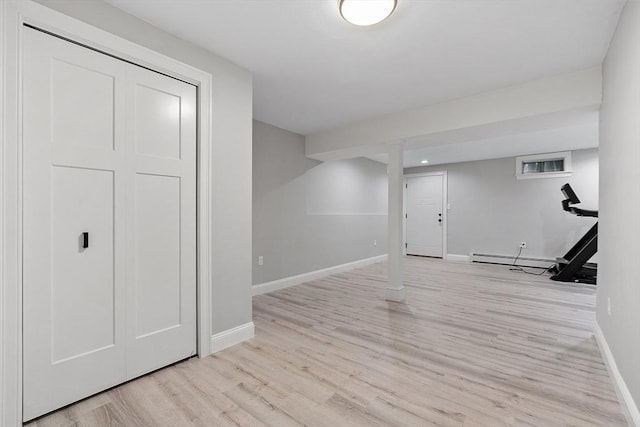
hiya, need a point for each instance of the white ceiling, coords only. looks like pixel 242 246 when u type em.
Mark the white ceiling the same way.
pixel 313 71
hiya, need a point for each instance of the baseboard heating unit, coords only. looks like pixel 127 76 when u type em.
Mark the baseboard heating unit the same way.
pixel 508 260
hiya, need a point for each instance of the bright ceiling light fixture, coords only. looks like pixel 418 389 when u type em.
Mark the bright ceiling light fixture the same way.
pixel 366 12
pixel 424 162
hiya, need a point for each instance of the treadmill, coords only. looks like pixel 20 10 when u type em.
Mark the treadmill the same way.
pixel 573 266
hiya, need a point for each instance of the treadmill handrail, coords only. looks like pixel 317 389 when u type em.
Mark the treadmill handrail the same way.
pixel 571 199
pixel 583 212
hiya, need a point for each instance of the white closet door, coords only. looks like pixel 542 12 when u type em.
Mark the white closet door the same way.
pixel 161 221
pixel 109 150
pixel 74 180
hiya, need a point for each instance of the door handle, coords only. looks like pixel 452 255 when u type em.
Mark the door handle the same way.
pixel 85 239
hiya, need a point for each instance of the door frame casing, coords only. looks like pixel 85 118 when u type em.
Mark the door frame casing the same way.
pixel 445 202
pixel 13 15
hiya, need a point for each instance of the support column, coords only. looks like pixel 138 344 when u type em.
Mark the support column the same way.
pixel 395 287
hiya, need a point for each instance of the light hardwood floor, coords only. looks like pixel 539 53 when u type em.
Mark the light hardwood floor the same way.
pixel 472 345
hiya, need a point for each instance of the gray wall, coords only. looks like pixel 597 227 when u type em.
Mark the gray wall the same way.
pixel 492 212
pixel 230 152
pixel 309 215
pixel 619 237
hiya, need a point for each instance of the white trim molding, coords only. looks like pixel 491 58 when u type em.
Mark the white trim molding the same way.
pixel 629 406
pixel 3 279
pixel 287 282
pixel 13 15
pixel 231 337
pixel 457 258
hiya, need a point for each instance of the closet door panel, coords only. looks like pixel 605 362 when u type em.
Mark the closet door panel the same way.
pixel 157 241
pixel 74 174
pixel 82 105
pixel 161 234
pixel 157 122
pixel 83 284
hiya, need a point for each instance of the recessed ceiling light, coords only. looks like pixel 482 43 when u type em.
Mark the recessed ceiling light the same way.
pixel 424 162
pixel 366 12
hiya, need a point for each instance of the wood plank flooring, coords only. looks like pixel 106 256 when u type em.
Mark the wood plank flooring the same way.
pixel 473 344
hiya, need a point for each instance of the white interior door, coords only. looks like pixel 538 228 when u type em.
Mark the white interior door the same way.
pixel 74 170
pixel 161 222
pixel 424 215
pixel 103 157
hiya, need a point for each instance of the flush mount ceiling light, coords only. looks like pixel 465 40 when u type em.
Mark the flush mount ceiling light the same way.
pixel 424 162
pixel 366 12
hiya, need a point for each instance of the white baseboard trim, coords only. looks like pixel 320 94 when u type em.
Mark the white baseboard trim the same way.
pixel 457 258
pixel 231 337
pixel 629 407
pixel 287 282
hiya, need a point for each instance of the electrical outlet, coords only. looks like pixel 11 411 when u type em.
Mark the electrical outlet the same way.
pixel 260 260
pixel 375 243
pixel 609 306
pixel 523 245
